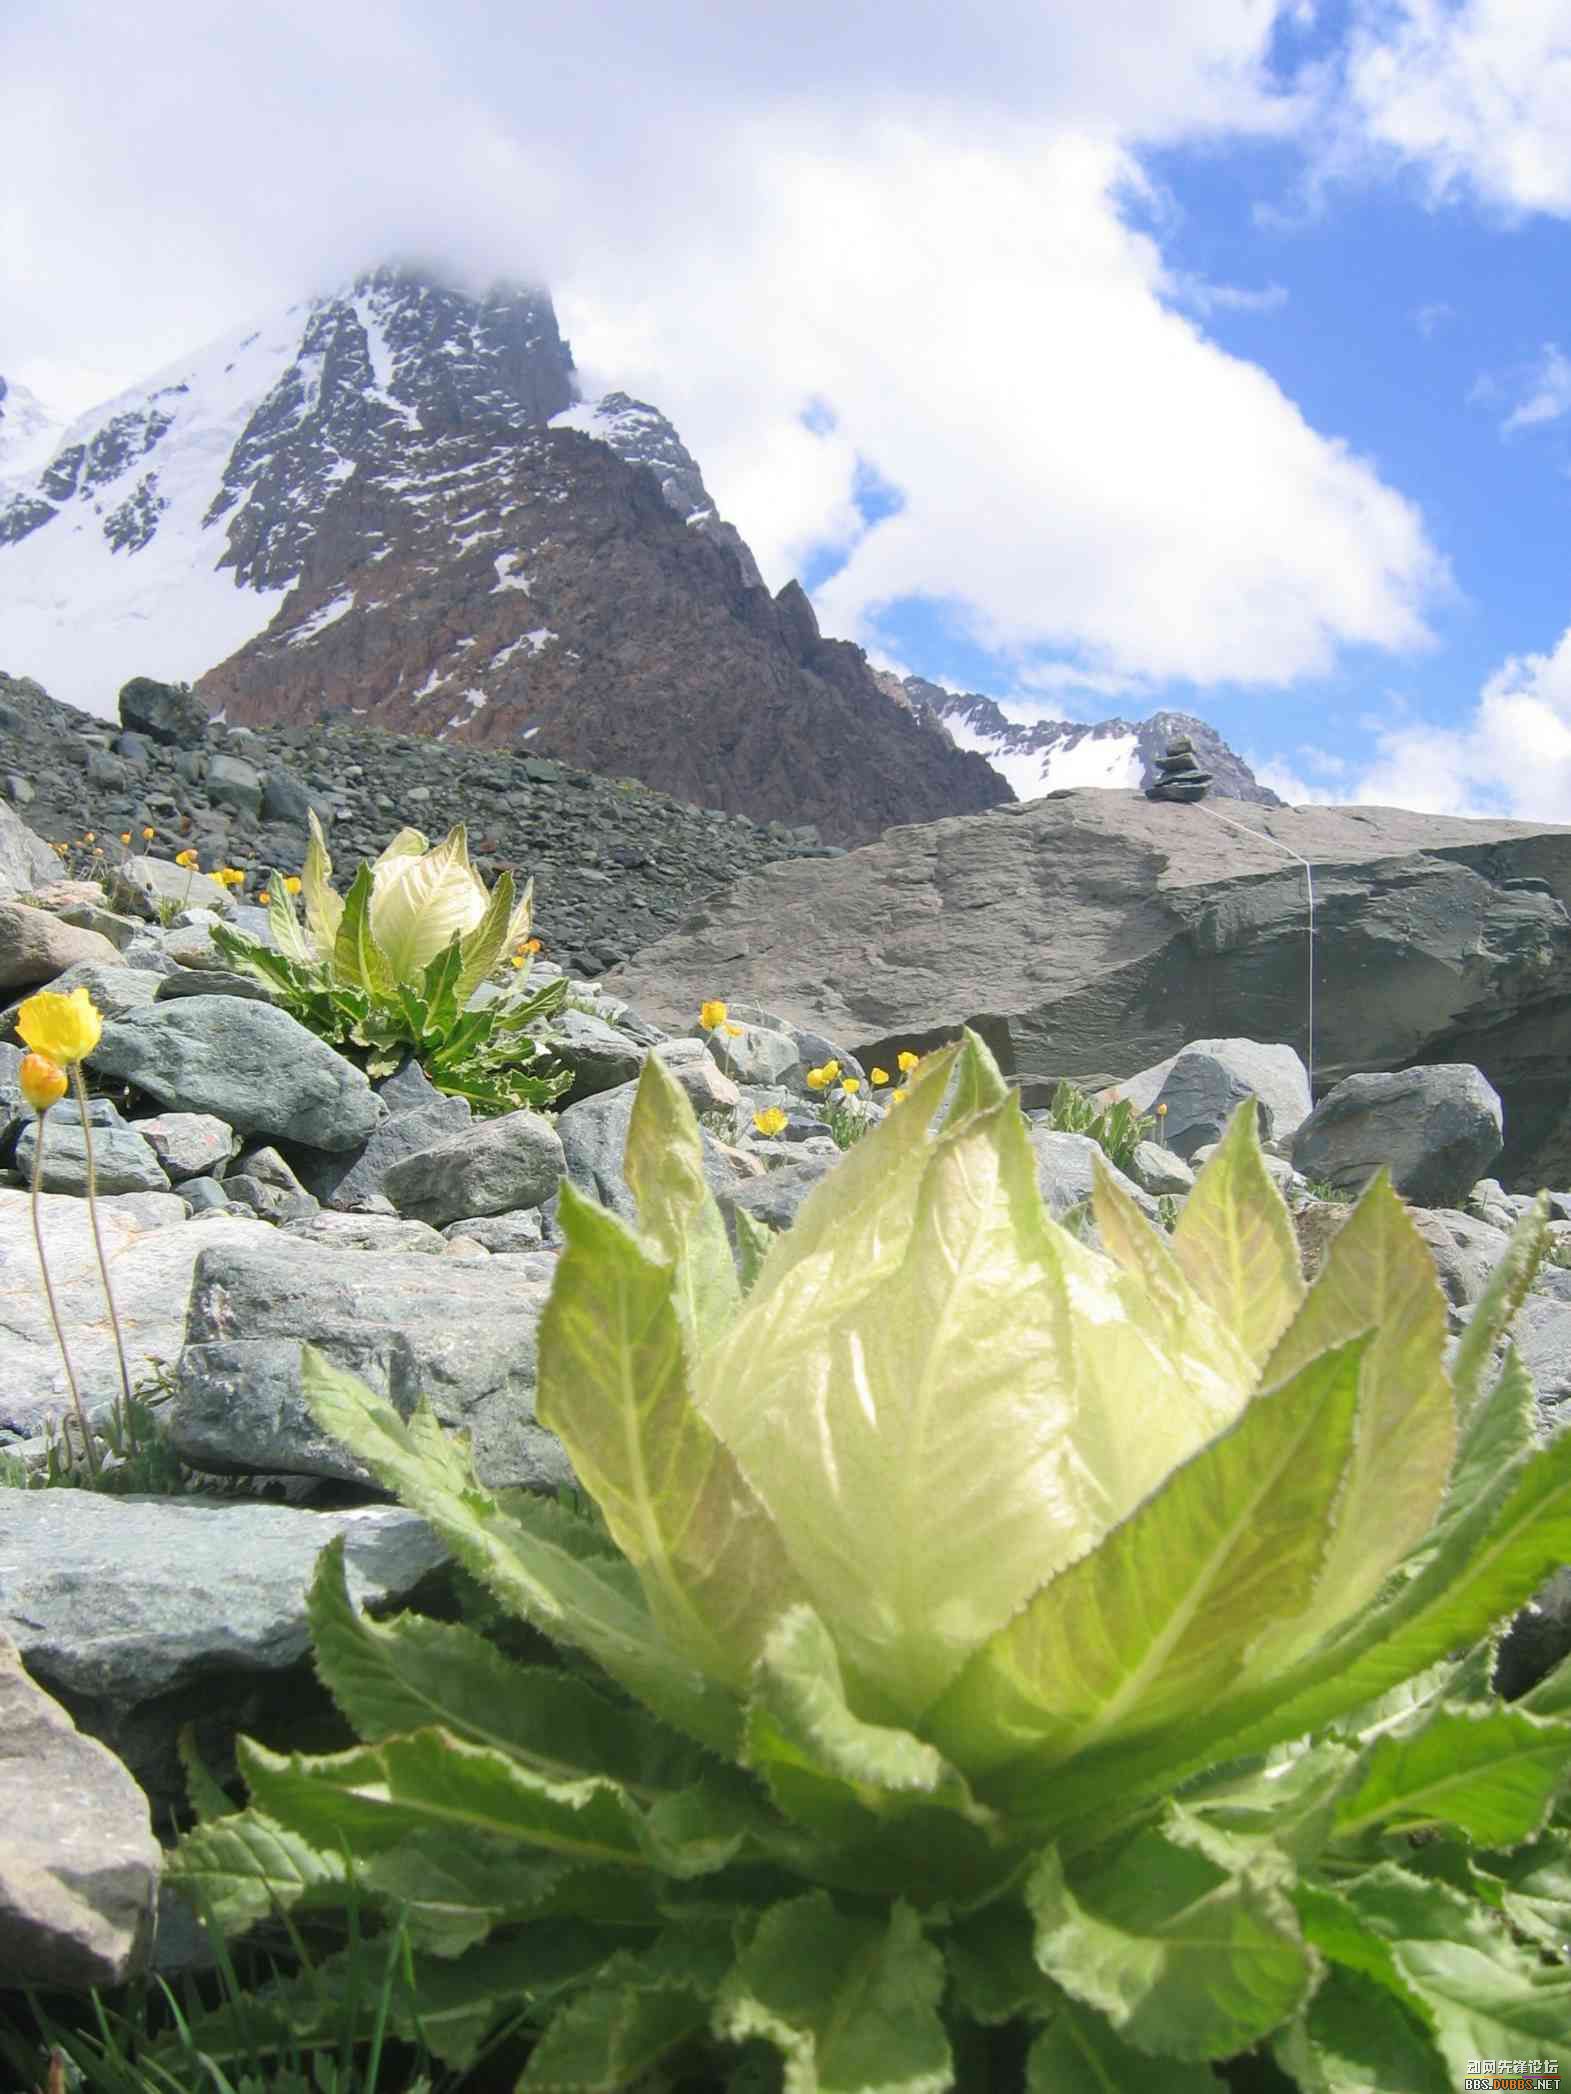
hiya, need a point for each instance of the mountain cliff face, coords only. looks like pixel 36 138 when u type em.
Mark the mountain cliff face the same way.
pixel 1051 755
pixel 391 503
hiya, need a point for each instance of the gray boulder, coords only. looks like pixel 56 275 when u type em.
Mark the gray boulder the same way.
pixel 150 1265
pixel 35 947
pixel 1099 930
pixel 1203 1086
pixel 79 1864
pixel 232 782
pixel 599 1056
pixel 249 1063
pixel 1066 1172
pixel 122 1160
pixel 1437 1130
pixel 189 1144
pixel 408 1324
pixel 515 1160
pixel 26 861
pixel 142 1614
pixel 163 711
pixel 144 884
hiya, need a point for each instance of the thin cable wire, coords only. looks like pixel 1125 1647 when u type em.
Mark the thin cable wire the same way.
pixel 1309 890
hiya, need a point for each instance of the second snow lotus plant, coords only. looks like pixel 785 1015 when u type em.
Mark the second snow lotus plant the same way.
pixel 976 1630
pixel 391 968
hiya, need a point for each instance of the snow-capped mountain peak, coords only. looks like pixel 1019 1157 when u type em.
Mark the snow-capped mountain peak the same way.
pixel 29 432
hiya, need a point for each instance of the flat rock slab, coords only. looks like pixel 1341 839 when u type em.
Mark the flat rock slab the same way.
pixel 79 1865
pixel 122 1599
pixel 1102 931
pixel 406 1323
pixel 150 1266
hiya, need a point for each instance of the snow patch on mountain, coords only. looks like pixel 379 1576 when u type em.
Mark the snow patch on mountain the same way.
pixel 29 430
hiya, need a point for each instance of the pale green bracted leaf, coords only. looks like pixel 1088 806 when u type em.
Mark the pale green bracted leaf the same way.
pixel 1536 1887
pixel 1159 1619
pixel 1078 2053
pixel 357 958
pixel 849 2000
pixel 1378 1277
pixel 529 1554
pixel 612 1383
pixel 1492 1773
pixel 243 1866
pixel 1479 1572
pixel 1186 1959
pixel 663 1163
pixel 481 948
pixel 753 1239
pixel 611 2036
pixel 888 1436
pixel 1484 1994
pixel 323 907
pixel 431 1781
pixel 1354 2037
pixel 1235 1242
pixel 282 921
pixel 1490 1317
pixel 852 1229
pixel 1497 1439
pixel 411 1672
pixel 894 1817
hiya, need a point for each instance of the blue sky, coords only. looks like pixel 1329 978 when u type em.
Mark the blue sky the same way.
pixel 1192 353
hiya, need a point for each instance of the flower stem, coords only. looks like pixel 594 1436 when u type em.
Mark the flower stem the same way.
pixel 98 1246
pixel 54 1307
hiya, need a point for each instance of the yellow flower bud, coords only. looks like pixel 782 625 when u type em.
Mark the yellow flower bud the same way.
pixel 710 1015
pixel 65 1029
pixel 148 835
pixel 43 1082
pixel 125 836
pixel 263 897
pixel 291 883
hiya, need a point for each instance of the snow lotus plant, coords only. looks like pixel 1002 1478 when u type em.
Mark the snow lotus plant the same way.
pixel 978 1638
pixel 390 968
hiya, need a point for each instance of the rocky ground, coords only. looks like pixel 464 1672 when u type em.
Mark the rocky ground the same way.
pixel 615 865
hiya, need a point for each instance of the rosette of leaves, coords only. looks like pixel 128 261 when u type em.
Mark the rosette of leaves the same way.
pixel 1117 1129
pixel 389 969
pixel 978 1636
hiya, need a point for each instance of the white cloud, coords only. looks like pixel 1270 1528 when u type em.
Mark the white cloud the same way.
pixel 1479 95
pixel 1512 757
pixel 1550 394
pixel 923 218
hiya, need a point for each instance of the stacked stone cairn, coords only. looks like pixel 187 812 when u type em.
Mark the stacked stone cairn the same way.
pixel 1179 777
pixel 258 1190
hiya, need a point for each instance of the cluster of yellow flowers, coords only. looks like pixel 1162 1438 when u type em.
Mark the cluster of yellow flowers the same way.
pixel 522 952
pixel 712 1017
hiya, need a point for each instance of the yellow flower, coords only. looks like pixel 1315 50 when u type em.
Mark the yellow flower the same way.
pixel 148 835
pixel 710 1015
pixel 851 1085
pixel 263 897
pixel 770 1120
pixel 291 883
pixel 1161 1111
pixel 820 1079
pixel 65 1029
pixel 230 876
pixel 907 1060
pixel 188 859
pixel 734 1032
pixel 879 1076
pixel 42 1081
pixel 125 836
pixel 897 1097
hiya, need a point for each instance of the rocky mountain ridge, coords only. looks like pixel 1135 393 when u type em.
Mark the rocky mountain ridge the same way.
pixel 391 502
pixel 1057 755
